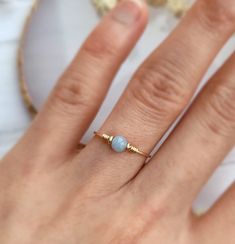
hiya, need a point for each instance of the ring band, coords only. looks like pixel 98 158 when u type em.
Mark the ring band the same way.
pixel 120 144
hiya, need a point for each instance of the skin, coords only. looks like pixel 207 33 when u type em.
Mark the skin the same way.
pixel 51 193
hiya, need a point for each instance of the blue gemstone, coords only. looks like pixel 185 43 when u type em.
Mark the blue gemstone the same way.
pixel 119 144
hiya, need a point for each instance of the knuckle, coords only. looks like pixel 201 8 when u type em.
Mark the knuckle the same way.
pixel 159 89
pixel 153 208
pixel 217 13
pixel 100 47
pixel 221 107
pixel 69 95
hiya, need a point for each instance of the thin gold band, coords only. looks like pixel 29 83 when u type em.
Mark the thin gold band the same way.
pixel 129 147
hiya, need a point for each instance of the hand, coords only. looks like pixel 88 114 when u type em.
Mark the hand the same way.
pixel 52 194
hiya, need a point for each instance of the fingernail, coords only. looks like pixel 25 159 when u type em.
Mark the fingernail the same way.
pixel 128 11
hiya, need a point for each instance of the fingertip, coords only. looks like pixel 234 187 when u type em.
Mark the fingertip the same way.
pixel 130 12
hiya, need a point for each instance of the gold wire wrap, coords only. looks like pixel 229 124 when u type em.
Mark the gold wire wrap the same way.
pixel 130 148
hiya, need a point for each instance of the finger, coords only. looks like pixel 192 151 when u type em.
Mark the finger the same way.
pixel 81 89
pixel 200 142
pixel 161 88
pixel 217 226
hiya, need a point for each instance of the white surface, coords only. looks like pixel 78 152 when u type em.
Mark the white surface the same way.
pixel 14 118
pixel 62 25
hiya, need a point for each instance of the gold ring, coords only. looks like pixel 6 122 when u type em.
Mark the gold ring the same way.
pixel 120 144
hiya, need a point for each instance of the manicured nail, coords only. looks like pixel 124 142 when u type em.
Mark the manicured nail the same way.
pixel 128 11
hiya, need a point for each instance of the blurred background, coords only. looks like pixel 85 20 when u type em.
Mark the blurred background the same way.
pixel 48 42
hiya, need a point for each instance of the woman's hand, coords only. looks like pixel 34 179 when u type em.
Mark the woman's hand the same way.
pixel 52 194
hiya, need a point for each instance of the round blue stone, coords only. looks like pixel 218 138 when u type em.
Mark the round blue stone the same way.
pixel 119 144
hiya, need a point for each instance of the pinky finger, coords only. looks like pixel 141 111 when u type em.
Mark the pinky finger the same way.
pixel 218 225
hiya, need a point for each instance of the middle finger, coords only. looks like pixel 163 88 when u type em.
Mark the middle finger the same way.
pixel 160 89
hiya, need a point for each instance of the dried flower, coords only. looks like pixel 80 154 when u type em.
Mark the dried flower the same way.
pixel 177 7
